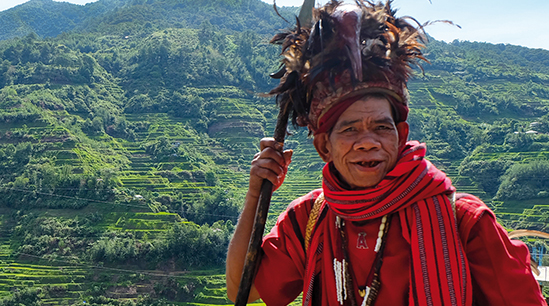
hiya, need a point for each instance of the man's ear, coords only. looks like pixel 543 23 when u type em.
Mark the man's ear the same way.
pixel 322 146
pixel 403 129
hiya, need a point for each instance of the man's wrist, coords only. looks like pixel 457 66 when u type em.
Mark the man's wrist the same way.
pixel 252 195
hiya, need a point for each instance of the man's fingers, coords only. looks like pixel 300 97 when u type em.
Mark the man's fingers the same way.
pixel 266 172
pixel 268 163
pixel 270 153
pixel 271 163
pixel 268 142
pixel 288 157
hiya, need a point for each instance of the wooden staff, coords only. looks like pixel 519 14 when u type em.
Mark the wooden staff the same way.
pixel 253 255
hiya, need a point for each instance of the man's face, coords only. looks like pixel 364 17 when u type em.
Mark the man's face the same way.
pixel 364 142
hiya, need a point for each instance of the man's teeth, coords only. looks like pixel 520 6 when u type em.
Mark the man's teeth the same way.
pixel 369 164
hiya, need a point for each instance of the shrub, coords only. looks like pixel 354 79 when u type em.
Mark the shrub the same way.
pixel 485 173
pixel 27 297
pixel 519 141
pixel 525 181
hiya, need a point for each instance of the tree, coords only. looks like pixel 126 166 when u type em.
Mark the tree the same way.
pixel 485 173
pixel 519 141
pixel 525 181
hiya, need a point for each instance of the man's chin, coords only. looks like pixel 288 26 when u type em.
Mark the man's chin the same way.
pixel 365 183
pixel 361 179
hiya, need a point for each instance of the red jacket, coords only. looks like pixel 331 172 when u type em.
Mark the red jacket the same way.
pixel 499 267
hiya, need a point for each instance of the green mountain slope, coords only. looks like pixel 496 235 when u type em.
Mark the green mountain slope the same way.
pixel 125 142
pixel 48 18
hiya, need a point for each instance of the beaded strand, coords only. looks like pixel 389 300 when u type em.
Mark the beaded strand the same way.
pixel 344 280
pixel 380 233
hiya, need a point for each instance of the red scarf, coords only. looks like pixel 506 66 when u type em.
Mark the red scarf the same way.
pixel 417 192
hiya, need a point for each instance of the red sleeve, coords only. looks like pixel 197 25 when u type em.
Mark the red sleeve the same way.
pixel 279 279
pixel 500 267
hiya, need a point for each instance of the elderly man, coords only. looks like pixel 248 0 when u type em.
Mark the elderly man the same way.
pixel 386 228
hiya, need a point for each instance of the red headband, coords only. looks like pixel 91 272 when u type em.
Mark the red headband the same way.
pixel 327 121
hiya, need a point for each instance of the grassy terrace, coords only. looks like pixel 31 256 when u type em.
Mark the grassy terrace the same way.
pixel 226 147
pixel 68 281
pixel 118 152
pixel 69 284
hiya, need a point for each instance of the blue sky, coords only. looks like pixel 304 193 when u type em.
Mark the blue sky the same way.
pixel 518 22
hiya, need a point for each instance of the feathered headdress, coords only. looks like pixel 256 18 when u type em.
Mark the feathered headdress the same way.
pixel 351 50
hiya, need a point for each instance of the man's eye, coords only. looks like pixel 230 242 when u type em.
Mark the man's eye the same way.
pixel 349 129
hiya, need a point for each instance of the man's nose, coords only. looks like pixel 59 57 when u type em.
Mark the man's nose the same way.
pixel 367 141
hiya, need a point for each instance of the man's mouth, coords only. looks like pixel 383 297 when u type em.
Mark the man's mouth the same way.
pixel 369 164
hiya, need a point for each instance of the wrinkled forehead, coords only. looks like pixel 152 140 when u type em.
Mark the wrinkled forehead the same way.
pixel 367 109
pixel 368 103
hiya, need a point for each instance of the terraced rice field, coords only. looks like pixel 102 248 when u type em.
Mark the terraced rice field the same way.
pixel 231 144
pixel 68 281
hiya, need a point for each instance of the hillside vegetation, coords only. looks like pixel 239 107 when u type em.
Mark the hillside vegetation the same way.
pixel 127 129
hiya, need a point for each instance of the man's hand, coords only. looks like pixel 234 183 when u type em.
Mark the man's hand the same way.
pixel 271 164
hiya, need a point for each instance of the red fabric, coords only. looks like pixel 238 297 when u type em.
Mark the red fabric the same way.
pixel 500 267
pixel 327 121
pixel 328 94
pixel 413 179
pixel 417 191
pixel 279 278
pixel 490 253
pixel 286 270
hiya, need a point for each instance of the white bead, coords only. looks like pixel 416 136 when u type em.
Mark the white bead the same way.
pixel 378 245
pixel 344 278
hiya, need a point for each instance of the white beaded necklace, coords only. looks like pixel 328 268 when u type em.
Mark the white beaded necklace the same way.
pixel 341 271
